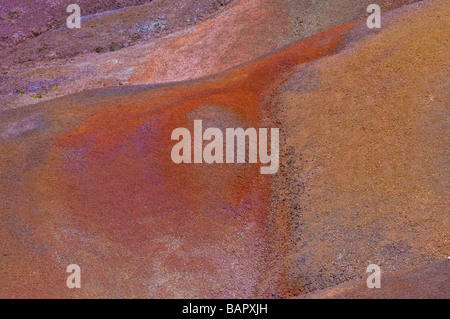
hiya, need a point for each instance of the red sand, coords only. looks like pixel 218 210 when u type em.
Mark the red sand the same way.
pixel 92 183
pixel 110 179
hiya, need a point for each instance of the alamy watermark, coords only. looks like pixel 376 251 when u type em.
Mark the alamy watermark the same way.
pixel 213 152
pixel 74 280
pixel 374 279
pixel 374 20
pixel 74 20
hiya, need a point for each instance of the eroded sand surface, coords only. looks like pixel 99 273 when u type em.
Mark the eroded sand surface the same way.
pixel 363 115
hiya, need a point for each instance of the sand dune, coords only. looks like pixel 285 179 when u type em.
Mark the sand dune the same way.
pixel 87 178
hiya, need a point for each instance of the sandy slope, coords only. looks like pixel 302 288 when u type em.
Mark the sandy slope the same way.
pixel 422 282
pixel 115 51
pixel 365 176
pixel 88 179
pixel 123 208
